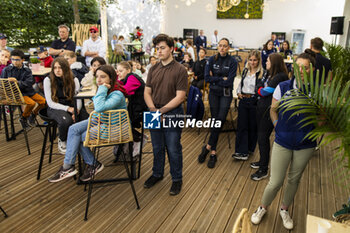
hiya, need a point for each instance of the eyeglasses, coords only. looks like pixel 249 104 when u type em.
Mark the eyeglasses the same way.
pixel 13 59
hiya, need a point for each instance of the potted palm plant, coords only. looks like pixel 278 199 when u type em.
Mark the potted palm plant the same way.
pixel 328 108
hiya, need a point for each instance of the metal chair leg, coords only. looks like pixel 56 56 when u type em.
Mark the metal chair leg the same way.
pixel 42 152
pixel 140 155
pixel 3 212
pixel 129 175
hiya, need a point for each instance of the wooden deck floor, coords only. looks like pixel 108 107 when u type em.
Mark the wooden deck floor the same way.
pixel 209 202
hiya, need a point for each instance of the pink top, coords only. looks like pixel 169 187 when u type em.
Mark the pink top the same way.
pixel 131 85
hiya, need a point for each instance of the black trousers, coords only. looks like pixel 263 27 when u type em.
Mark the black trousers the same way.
pixel 198 83
pixel 219 107
pixel 64 120
pixel 265 128
pixel 246 135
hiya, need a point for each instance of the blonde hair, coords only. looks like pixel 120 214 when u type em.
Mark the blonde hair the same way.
pixel 71 54
pixel 256 54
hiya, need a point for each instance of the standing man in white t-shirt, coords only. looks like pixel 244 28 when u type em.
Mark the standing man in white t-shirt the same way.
pixel 94 46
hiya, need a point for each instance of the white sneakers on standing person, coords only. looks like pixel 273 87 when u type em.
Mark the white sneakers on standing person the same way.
pixel 261 211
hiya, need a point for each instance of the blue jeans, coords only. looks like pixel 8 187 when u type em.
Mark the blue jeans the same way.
pixel 169 138
pixel 76 137
pixel 127 54
pixel 219 107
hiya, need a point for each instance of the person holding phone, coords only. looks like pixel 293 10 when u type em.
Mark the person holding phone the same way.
pixel 220 72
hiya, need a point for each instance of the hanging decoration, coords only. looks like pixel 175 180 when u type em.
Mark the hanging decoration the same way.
pixel 239 9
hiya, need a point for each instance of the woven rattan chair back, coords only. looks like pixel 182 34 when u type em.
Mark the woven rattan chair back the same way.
pixel 242 224
pixel 10 94
pixel 108 128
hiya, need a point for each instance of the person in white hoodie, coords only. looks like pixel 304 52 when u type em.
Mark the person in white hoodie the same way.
pixel 94 46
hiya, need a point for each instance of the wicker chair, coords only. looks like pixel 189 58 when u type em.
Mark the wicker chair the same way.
pixel 10 95
pixel 242 224
pixel 108 129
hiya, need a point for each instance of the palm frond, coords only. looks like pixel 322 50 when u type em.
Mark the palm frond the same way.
pixel 325 104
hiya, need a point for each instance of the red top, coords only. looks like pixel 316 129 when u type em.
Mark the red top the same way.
pixel 47 61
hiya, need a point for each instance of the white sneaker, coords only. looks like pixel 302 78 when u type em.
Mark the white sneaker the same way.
pixel 258 215
pixel 62 146
pixel 287 220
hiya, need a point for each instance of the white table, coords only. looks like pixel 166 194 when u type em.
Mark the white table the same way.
pixel 312 225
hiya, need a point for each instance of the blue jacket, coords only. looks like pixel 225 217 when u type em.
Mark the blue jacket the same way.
pixel 195 106
pixel 220 68
pixel 24 77
pixel 288 131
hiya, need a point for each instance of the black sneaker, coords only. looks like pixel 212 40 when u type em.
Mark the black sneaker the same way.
pixel 151 181
pixel 212 161
pixel 24 123
pixel 31 120
pixel 240 156
pixel 175 188
pixel 255 165
pixel 63 174
pixel 259 175
pixel 91 170
pixel 203 155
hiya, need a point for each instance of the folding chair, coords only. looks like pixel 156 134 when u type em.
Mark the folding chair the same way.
pixel 108 129
pixel 10 95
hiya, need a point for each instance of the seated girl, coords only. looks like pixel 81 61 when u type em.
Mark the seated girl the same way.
pixel 89 78
pixel 134 87
pixel 59 89
pixel 187 60
pixel 110 95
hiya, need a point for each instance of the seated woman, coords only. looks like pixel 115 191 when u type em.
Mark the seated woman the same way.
pixel 198 69
pixel 59 89
pixel 267 50
pixel 290 148
pixel 187 60
pixel 110 95
pixel 247 91
pixel 89 78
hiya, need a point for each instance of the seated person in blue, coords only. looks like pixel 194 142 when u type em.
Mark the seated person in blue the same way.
pixel 287 53
pixel 106 98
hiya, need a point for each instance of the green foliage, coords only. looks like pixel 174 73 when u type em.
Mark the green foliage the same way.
pixel 34 60
pixel 35 22
pixel 327 107
pixel 237 12
pixel 340 59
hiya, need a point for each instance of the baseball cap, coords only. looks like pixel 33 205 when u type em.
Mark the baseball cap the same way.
pixel 41 49
pixel 93 28
pixel 3 36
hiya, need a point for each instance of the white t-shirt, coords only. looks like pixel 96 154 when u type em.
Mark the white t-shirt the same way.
pixel 191 51
pixel 93 46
